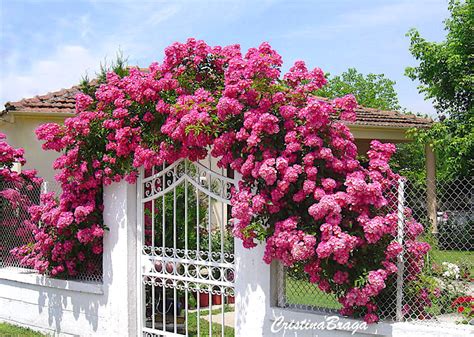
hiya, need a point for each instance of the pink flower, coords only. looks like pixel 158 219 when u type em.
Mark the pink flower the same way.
pixel 65 219
pixel 83 102
pixel 341 277
pixel 81 212
pixel 97 249
pixel 268 172
pixel 328 184
pixel 371 318
pixel 393 249
pixel 228 106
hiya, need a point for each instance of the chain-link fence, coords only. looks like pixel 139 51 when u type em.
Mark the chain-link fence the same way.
pixel 446 211
pixel 15 200
pixel 15 232
pixel 446 280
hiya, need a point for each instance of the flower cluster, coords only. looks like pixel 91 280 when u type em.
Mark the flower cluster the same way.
pixel 302 185
pixel 465 306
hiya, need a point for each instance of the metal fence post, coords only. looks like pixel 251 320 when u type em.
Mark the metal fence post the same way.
pixel 44 187
pixel 281 285
pixel 400 261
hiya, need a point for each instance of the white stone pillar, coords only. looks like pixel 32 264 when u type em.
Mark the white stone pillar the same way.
pixel 253 291
pixel 120 256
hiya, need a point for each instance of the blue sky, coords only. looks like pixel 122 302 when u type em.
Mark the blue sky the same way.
pixel 48 45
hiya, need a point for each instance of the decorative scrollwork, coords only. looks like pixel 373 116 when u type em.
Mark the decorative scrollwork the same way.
pixel 188 285
pixel 203 255
pixel 212 183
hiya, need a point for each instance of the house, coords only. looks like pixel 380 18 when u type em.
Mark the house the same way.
pixel 19 120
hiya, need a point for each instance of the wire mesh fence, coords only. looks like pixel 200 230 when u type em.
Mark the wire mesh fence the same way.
pixel 447 275
pixel 446 211
pixel 15 232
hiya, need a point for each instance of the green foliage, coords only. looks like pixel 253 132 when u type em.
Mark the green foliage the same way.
pixel 118 66
pixel 445 71
pixel 257 227
pixel 8 330
pixel 187 221
pixel 372 91
pixel 311 296
pixel 409 161
pixel 453 141
pixel 463 259
pixel 203 328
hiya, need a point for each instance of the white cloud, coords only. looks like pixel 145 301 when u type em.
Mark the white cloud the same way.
pixel 85 26
pixel 64 66
pixel 62 69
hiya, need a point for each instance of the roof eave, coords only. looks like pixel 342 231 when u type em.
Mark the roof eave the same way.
pixel 389 133
pixel 33 114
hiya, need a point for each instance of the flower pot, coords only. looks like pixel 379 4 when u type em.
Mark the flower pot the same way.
pixel 203 299
pixel 216 299
pixel 230 299
pixel 169 267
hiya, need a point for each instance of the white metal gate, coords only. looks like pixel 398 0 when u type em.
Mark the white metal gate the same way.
pixel 186 250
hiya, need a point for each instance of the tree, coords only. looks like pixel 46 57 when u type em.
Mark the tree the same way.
pixel 445 71
pixel 372 91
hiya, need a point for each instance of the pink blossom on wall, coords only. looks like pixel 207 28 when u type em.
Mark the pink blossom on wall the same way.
pixel 302 184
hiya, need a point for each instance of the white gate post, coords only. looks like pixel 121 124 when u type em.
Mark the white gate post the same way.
pixel 120 256
pixel 252 291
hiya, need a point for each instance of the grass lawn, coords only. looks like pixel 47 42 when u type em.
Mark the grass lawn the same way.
pixel 454 256
pixel 306 293
pixel 192 323
pixel 8 330
pixel 204 324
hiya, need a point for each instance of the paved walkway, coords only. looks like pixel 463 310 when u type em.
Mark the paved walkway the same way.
pixel 217 318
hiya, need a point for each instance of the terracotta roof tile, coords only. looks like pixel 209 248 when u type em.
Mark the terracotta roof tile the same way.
pixel 58 101
pixel 63 101
pixel 375 117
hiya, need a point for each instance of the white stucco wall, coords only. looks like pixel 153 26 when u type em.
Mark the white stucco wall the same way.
pixel 76 311
pixel 83 309
pixel 20 132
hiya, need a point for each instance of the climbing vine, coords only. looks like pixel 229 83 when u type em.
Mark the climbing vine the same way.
pixel 303 190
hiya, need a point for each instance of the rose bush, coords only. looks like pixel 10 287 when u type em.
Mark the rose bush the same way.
pixel 303 190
